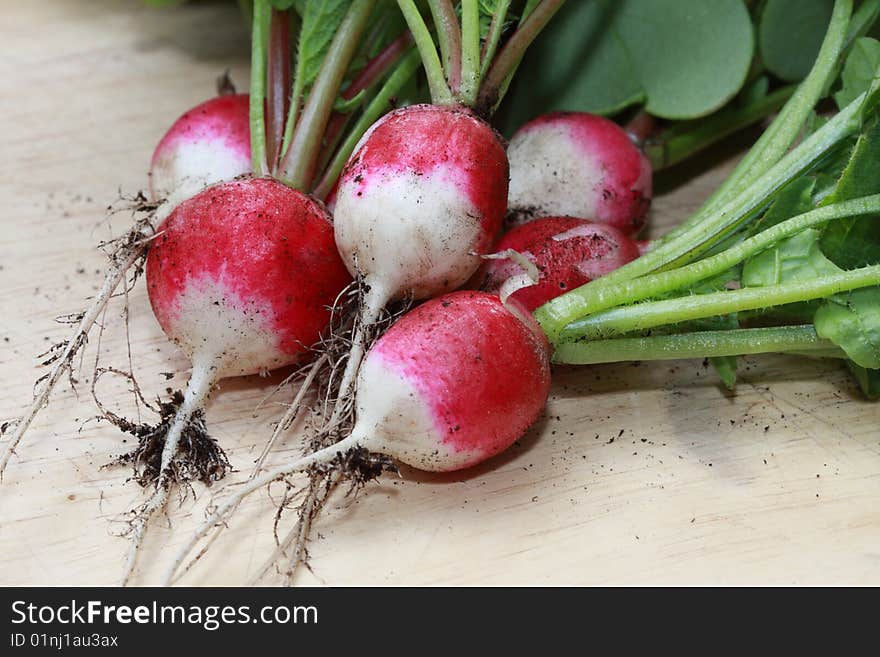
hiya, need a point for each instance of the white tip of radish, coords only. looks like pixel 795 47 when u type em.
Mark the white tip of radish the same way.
pixel 394 418
pixel 413 234
pixel 578 165
pixel 213 323
pixel 208 144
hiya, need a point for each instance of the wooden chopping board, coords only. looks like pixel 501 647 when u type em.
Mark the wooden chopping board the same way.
pixel 639 474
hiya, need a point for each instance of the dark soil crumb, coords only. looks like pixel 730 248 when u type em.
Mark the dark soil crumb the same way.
pixel 200 457
pixel 360 465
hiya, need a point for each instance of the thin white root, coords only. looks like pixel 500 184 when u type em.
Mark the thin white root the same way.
pixel 286 421
pixel 199 386
pixel 310 506
pixel 221 514
pixel 158 501
pixel 374 301
pixel 298 534
pixel 130 249
pixel 64 361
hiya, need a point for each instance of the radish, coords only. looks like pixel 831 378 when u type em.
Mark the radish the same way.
pixel 579 165
pixel 210 143
pixel 425 190
pixel 421 198
pixel 241 277
pixel 567 253
pixel 452 383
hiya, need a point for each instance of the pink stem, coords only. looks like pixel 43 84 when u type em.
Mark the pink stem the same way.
pixel 278 87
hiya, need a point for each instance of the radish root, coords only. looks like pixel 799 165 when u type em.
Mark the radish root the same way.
pixel 128 253
pixel 169 471
pixel 290 415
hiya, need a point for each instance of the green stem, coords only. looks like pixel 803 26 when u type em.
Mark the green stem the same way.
pixel 496 28
pixel 690 137
pixel 862 21
pixel 689 244
pixel 650 314
pixel 493 85
pixel 449 36
pixel 601 298
pixel 300 160
pixel 296 92
pixel 259 38
pixel 470 52
pixel 440 92
pixel 700 344
pixel 783 132
pixel 378 106
pixel 358 91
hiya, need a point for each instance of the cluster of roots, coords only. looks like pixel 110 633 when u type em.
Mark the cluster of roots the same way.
pixel 357 466
pixel 199 458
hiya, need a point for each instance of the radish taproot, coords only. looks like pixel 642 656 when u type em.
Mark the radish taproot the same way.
pixel 579 165
pixel 566 252
pixel 452 383
pixel 208 144
pixel 241 277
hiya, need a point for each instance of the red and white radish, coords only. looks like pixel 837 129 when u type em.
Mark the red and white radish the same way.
pixel 566 253
pixel 579 165
pixel 208 144
pixel 452 383
pixel 241 277
pixel 420 199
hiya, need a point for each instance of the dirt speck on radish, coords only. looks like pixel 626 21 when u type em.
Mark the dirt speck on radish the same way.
pixel 579 165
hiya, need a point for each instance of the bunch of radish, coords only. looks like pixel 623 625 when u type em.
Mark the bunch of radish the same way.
pixel 246 267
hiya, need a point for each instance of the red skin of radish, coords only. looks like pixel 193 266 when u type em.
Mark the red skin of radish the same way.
pixel 453 382
pixel 580 165
pixel 421 138
pixel 210 143
pixel 425 189
pixel 568 253
pixel 251 261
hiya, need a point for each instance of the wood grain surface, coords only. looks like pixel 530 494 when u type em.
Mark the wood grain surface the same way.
pixel 638 474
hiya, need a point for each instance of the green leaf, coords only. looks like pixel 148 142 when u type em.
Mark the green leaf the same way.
pixel 793 199
pixel 798 258
pixel 320 20
pixel 852 322
pixel 281 5
pixel 869 380
pixel 790 33
pixel 852 243
pixel 859 70
pixel 781 262
pixel 691 57
pixel 681 59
